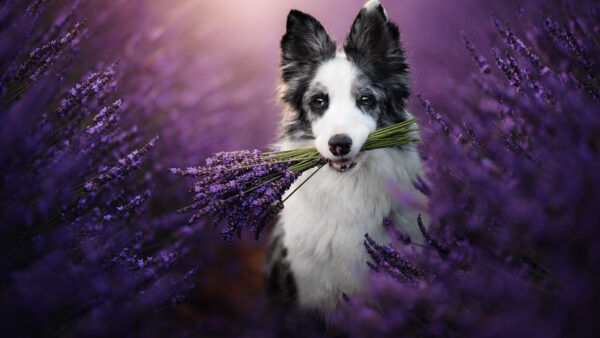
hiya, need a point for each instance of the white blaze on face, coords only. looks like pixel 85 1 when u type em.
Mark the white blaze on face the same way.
pixel 342 116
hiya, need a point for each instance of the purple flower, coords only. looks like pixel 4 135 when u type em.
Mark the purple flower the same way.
pixel 479 60
pixel 242 189
pixel 41 59
pixel 124 166
pixel 105 119
pixel 34 9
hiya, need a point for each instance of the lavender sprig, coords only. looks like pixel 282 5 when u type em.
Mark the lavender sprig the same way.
pixel 241 188
pixel 37 63
pixel 43 58
pixel 479 60
pixel 105 119
pixel 33 10
pixel 390 260
pixel 125 165
pixel 440 247
pixel 519 46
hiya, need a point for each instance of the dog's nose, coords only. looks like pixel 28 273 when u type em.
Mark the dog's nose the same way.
pixel 340 144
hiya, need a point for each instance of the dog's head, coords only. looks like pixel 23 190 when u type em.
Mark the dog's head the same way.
pixel 338 98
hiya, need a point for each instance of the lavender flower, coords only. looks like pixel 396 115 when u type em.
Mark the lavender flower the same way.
pixel 95 84
pixel 509 68
pixel 37 64
pixel 105 119
pixel 434 116
pixel 390 261
pixel 563 38
pixel 43 58
pixel 129 208
pixel 119 171
pixel 398 235
pixel 519 46
pixel 244 189
pixel 34 9
pixel 480 60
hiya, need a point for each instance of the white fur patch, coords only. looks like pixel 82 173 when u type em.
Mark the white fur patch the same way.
pixel 337 76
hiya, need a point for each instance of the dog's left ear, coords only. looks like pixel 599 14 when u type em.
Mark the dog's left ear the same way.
pixel 375 39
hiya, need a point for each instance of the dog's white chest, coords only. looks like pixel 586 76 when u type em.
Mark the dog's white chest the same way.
pixel 325 221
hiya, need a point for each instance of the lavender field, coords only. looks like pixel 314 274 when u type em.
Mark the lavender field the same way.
pixel 99 99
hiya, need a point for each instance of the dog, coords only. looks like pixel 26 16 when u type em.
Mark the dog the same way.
pixel 333 100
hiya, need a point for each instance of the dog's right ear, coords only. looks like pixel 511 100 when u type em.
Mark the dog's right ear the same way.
pixel 305 43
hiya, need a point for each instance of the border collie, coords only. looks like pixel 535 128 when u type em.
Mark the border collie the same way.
pixel 333 100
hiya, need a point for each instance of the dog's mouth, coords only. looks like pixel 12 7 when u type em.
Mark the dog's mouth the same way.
pixel 344 164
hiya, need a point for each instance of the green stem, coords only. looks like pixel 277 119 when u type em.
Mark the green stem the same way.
pixel 262 184
pixel 301 184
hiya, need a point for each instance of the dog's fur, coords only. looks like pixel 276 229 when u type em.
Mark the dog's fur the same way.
pixel 316 252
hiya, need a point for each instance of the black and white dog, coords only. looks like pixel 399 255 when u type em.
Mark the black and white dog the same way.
pixel 333 100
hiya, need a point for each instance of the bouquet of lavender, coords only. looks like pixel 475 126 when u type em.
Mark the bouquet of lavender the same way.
pixel 245 188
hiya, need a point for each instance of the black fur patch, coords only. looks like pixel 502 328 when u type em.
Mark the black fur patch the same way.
pixel 279 280
pixel 373 44
pixel 304 47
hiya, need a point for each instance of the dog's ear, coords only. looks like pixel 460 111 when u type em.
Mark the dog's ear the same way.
pixel 374 45
pixel 305 43
pixel 374 38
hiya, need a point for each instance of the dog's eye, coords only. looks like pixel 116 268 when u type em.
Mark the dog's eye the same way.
pixel 319 102
pixel 366 100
